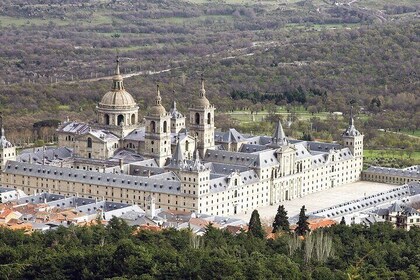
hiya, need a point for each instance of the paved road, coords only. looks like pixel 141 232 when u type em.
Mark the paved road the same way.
pixel 320 200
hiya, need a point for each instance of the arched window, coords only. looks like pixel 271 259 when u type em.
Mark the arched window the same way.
pixel 106 117
pixel 153 126
pixel 197 118
pixel 208 118
pixel 165 128
pixel 120 120
pixel 133 119
pixel 187 145
pixel 89 142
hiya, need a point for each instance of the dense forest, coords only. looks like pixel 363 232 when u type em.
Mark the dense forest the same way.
pixel 116 251
pixel 321 55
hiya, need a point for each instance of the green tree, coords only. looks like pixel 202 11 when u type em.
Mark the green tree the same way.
pixel 302 224
pixel 281 221
pixel 118 229
pixel 255 228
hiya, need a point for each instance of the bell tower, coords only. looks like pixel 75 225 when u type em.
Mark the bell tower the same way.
pixel 353 140
pixel 202 121
pixel 7 149
pixel 158 132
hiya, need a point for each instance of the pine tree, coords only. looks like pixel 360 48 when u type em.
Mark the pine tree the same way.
pixel 343 221
pixel 302 224
pixel 255 229
pixel 281 221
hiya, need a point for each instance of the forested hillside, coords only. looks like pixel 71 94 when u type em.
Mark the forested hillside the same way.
pixel 115 252
pixel 322 55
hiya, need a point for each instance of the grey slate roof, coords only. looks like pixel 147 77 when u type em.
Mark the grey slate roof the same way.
pixel 177 158
pixel 230 136
pixel 47 153
pixel 279 138
pixel 321 146
pixel 127 156
pixel 102 135
pixel 410 173
pixel 221 168
pixel 252 148
pixel 74 128
pixel 136 135
pixel 351 129
pixel 256 160
pixel 92 177
pixel 140 170
pixel 368 202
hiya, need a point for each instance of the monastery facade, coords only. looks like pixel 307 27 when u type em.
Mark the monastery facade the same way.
pixel 168 164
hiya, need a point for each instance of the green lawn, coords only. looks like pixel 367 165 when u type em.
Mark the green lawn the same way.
pixel 410 132
pixel 391 158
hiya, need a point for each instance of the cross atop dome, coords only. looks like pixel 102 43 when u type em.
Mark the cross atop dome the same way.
pixel 117 79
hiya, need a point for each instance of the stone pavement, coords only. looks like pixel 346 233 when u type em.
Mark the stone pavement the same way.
pixel 320 200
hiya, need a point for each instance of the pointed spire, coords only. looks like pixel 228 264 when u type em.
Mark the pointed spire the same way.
pixel 174 106
pixel 351 121
pixel 196 155
pixel 1 125
pixel 203 90
pixel 197 162
pixel 158 98
pixel 178 157
pixel 202 101
pixel 117 80
pixel 351 129
pixel 117 67
pixel 279 138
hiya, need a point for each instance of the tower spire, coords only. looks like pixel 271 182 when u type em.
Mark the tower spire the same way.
pixel 279 138
pixel 117 80
pixel 178 157
pixel 1 125
pixel 351 129
pixel 351 120
pixel 203 90
pixel 117 67
pixel 158 98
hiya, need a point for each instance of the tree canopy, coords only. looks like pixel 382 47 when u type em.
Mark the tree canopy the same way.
pixel 116 251
pixel 281 222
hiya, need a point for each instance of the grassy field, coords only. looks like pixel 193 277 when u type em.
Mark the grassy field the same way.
pixel 391 158
pixel 410 132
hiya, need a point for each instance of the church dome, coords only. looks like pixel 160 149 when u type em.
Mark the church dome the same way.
pixel 115 99
pixel 202 102
pixel 157 109
pixel 118 97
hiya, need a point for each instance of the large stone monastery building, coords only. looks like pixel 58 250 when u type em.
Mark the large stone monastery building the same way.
pixel 177 166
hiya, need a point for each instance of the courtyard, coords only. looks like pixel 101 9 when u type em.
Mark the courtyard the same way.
pixel 322 199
